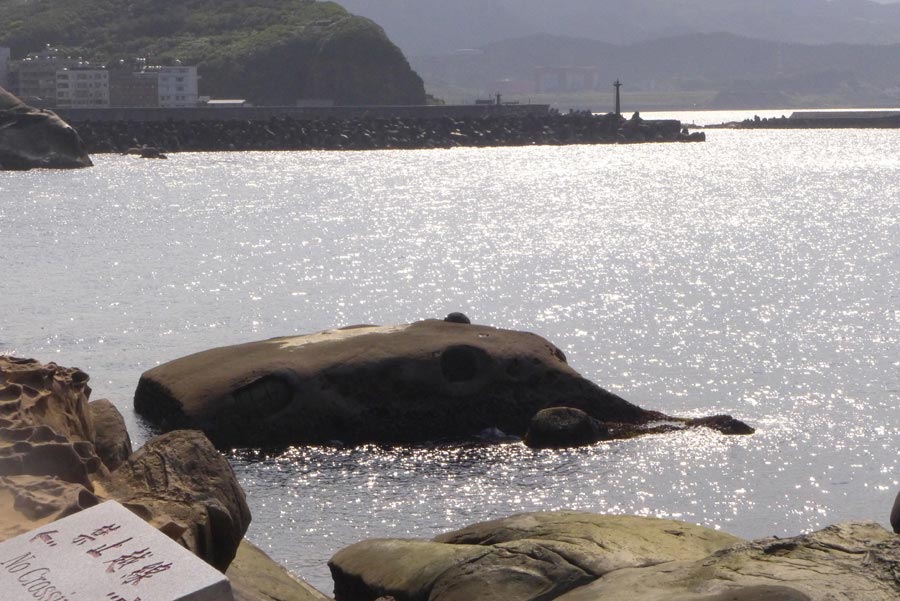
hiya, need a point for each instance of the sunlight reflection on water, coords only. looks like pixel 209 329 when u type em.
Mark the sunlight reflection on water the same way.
pixel 755 274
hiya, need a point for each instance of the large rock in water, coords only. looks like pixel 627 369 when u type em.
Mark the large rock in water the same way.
pixel 31 137
pixel 527 557
pixel 426 381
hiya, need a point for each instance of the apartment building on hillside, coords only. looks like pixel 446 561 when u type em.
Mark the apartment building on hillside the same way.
pixel 82 87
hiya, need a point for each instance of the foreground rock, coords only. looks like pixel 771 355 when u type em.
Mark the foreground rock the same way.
pixel 572 556
pixel 57 451
pixel 537 556
pixel 32 138
pixel 426 381
pixel 256 577
pixel 181 484
pixel 50 467
pixel 851 562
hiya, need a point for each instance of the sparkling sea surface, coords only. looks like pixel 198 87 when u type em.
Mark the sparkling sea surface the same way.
pixel 757 274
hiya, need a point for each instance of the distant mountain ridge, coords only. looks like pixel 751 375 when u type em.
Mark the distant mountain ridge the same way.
pixel 424 27
pixel 740 70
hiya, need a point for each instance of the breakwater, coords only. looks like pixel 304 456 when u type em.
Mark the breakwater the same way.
pixel 370 133
pixel 303 113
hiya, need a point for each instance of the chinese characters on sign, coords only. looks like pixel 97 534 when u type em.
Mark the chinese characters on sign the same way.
pixel 105 553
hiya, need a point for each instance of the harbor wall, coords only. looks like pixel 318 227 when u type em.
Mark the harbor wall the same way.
pixel 265 113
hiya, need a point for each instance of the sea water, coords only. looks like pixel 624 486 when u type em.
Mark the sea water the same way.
pixel 756 274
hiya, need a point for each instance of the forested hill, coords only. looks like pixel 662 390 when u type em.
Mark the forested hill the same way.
pixel 268 51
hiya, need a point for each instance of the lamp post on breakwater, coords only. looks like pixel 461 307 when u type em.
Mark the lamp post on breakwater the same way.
pixel 618 85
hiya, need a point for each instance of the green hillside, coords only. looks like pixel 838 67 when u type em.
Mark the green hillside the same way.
pixel 268 51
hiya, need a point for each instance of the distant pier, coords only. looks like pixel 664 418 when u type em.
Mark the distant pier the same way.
pixel 848 119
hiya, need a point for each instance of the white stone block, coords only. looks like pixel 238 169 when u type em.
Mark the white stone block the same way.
pixel 105 553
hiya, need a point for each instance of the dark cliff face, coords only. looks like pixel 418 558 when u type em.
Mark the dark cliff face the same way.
pixel 351 62
pixel 271 52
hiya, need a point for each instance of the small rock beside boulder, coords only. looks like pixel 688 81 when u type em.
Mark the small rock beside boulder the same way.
pixel 563 427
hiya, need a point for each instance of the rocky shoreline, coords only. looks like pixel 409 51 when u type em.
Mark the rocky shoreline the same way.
pixel 61 453
pixel 286 133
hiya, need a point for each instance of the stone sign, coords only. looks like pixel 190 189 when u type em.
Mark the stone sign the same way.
pixel 105 553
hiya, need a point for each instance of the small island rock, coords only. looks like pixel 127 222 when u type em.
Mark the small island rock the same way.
pixel 427 381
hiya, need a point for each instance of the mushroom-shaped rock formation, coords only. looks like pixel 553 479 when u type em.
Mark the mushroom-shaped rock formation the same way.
pixel 527 557
pixel 31 137
pixel 427 381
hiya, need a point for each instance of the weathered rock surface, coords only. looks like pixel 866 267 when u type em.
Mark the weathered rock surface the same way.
pixel 32 138
pixel 850 562
pixel 563 427
pixel 425 381
pixel 47 459
pixel 50 468
pixel 112 442
pixel 33 394
pixel 256 577
pixel 179 483
pixel 56 453
pixel 28 502
pixel 534 556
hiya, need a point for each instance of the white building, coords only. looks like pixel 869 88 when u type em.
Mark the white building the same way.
pixel 178 86
pixel 4 67
pixel 82 87
pixel 36 76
